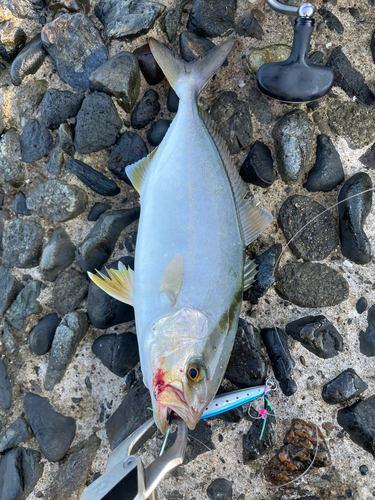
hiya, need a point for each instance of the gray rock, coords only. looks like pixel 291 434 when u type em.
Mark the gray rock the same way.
pixel 59 105
pixel 193 45
pixel 5 388
pixel 293 136
pixel 127 19
pixel 36 141
pixel 211 17
pixel 9 342
pixel 23 101
pixel 10 288
pixel 69 334
pixel 26 9
pixel 76 46
pixel 15 434
pixel 367 338
pixel 56 161
pixel 69 290
pixel 259 106
pixel 368 158
pixel 172 19
pixel 343 387
pixel 129 148
pixel 331 21
pixel 57 255
pixel 57 201
pixel 265 277
pixel 220 489
pixel 22 244
pixel 25 304
pixel 146 110
pixel 12 39
pixel 361 305
pixel 97 210
pixel 253 447
pixel 248 26
pixel 28 61
pixel 70 5
pixel 20 207
pixel 66 138
pixel 41 336
pixel 12 168
pixel 120 77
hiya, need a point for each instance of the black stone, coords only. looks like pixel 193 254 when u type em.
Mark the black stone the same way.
pixel 257 168
pixel 103 310
pixel 25 304
pixel 313 105
pixel 233 120
pixel 367 338
pixel 150 69
pixel 15 434
pixel 248 26
pixel 331 21
pixel 220 489
pixel 69 290
pixel 327 172
pixel 10 287
pixel 41 336
pixel 311 232
pixel 193 46
pixel 119 353
pixel 12 39
pixel 345 386
pixel 22 244
pixel 92 178
pixel 253 447
pixel 359 422
pixel 259 106
pixel 146 110
pixel 353 213
pixel 5 388
pixel 97 210
pixel 172 19
pixel 28 61
pixel 66 138
pixel 70 5
pixel 57 255
pixel 316 57
pixel 363 470
pixel 59 105
pixel 36 141
pixel 212 18
pixel 172 101
pixel 129 149
pixel 361 305
pixel 53 431
pixel 157 131
pixel 20 207
pixel 368 158
pixel 276 343
pixel 12 168
pixel 26 9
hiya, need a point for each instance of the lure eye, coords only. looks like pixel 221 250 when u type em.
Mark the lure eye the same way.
pixel 194 372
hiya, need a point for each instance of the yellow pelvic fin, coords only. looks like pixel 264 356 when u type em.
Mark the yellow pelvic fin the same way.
pixel 173 277
pixel 119 284
pixel 250 271
pixel 137 171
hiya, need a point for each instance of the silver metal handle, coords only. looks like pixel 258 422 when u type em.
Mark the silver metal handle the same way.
pixel 305 10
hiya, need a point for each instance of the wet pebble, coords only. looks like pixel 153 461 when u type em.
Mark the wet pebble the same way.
pixel 69 290
pixel 6 397
pixel 172 101
pixel 332 22
pixel 220 489
pixel 97 210
pixel 129 148
pixel 361 305
pixel 253 447
pixel 41 336
pixel 151 71
pixel 10 287
pixel 36 141
pixel 265 277
pixel 117 352
pixel 26 304
pixel 193 45
pixel 59 105
pixel 146 110
pixel 157 131
pixel 28 61
pixel 257 168
pixel 16 433
pixel 172 19
pixel 20 207
pixel 22 244
pixel 259 106
pixel 248 26
pixel 12 168
pixel 57 255
pixel 367 338
pixel 92 178
pixel 212 18
pixel 343 387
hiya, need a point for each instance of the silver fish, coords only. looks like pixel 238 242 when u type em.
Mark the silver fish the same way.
pixel 190 264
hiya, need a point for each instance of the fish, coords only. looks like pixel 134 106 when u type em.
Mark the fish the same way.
pixel 190 269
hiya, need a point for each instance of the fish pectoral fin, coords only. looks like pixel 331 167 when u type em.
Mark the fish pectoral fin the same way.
pixel 137 172
pixel 173 277
pixel 119 284
pixel 250 271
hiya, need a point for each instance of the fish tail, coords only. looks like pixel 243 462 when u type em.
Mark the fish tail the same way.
pixel 192 75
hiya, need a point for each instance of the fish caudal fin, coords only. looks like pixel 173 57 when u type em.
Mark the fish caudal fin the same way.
pixel 119 284
pixel 194 74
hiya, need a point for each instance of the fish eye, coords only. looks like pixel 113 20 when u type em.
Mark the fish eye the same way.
pixel 194 371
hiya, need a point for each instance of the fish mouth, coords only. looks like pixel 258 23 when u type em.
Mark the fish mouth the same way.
pixel 171 398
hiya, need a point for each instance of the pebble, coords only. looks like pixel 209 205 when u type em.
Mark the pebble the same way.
pixel 327 172
pixel 311 232
pixel 22 102
pixel 5 388
pixel 92 178
pixel 157 131
pixel 367 338
pixel 220 489
pixel 103 310
pixel 57 201
pixel 257 168
pixel 311 284
pixel 331 21
pixel 75 45
pixel 265 277
pixel 233 120
pixel 146 110
pixel 363 470
pixel 172 101
pixel 316 334
pixel 15 434
pixel 193 45
pixel 171 20
pixel 36 141
pixel 129 148
pixel 276 343
pixel 97 210
pixel 20 207
pixel 9 341
pixel 69 290
pixel 41 336
pixel 28 61
pixel 68 335
pixel 117 352
pixel 66 138
pixel 57 255
pixel 124 20
pixel 368 158
pixel 71 5
pixel 359 422
pixel 53 431
pixel 348 78
pixel 271 53
pixel 24 9
pixel 253 447
pixel 259 106
pixel 212 18
pixel 59 105
pixel 248 26
pixel 361 305
pixel 12 40
pixel 22 244
pixel 316 57
pixel 12 168
pixel 293 136
pixel 25 304
pixel 120 77
pixel 10 287
pixel 353 213
pixel 151 71
pixel 343 387
pixel 98 124
pixel 56 161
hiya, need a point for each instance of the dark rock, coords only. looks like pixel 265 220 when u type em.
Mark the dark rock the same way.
pixel 146 110
pixel 57 201
pixel 201 441
pixel 68 335
pixel 22 101
pixel 348 78
pixel 157 132
pixel 103 310
pixel 12 168
pixel 248 26
pixel 172 19
pixel 282 362
pixel 5 388
pixel 361 305
pixel 220 489
pixel 233 120
pixel 129 148
pixel 150 69
pixel 293 136
pixel 266 263
pixel 22 244
pixel 66 138
pixel 212 18
pixel 131 414
pixel 363 470
pixel 36 141
pixel 25 304
pixel 257 168
pixel 310 284
pixel 253 447
pixel 15 434
pixel 359 422
pixel 368 158
pixel 259 106
pixel 367 338
pixel 119 353
pixel 92 178
pixel 313 105
pixel 9 342
pixel 59 105
pixel 20 207
pixel 99 244
pixel 126 19
pixel 120 77
pixel 193 46
pixel 331 21
pixel 353 213
pixel 28 61
pixel 26 9
pixel 97 210
pixel 56 161
pixel 12 39
pixel 172 101
pixel 75 45
pixel 317 334
pixel 41 336
pixel 327 172
pixel 57 255
pixel 316 57
pixel 10 287
pixel 53 431
pixel 71 5
pixel 311 232
pixel 69 290
pixel 345 386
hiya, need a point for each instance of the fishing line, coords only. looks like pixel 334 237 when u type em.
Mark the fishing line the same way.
pixel 169 425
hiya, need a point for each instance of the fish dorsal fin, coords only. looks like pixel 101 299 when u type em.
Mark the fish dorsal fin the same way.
pixel 250 271
pixel 254 220
pixel 119 284
pixel 173 277
pixel 137 171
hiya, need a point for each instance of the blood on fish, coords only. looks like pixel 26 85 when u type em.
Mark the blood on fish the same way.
pixel 158 381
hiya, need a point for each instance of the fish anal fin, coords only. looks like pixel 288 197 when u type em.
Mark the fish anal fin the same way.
pixel 173 278
pixel 250 271
pixel 137 172
pixel 119 284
